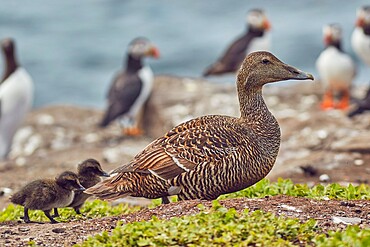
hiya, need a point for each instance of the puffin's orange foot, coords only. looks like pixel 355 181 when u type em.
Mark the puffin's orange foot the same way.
pixel 327 104
pixel 134 131
pixel 343 104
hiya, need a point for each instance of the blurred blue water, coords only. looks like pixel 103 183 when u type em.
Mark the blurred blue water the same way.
pixel 73 48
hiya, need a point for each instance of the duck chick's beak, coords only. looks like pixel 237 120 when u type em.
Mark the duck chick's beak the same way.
pixel 104 174
pixel 81 188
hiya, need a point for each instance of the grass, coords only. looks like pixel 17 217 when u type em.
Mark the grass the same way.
pixel 91 209
pixel 219 226
pixel 287 187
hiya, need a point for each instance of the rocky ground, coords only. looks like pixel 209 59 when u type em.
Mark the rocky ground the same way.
pixel 316 147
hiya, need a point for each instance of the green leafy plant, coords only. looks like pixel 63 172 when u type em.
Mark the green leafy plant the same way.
pixel 351 236
pixel 216 226
pixel 287 187
pixel 91 209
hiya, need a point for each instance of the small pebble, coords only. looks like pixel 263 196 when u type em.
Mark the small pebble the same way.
pixel 58 230
pixel 324 178
pixel 23 229
pixel 347 204
pixel 20 161
pixel 359 162
pixel 5 191
pixel 346 220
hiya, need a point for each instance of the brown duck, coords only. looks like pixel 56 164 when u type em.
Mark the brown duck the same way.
pixel 46 194
pixel 89 173
pixel 210 155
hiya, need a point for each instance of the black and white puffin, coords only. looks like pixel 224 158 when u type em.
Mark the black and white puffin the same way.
pixel 361 35
pixel 256 38
pixel 361 46
pixel 16 96
pixel 336 69
pixel 131 88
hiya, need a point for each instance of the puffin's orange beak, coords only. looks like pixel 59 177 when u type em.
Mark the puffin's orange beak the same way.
pixel 154 52
pixel 266 24
pixel 327 39
pixel 360 22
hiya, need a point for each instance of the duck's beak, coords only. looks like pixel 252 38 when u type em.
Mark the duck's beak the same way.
pixel 296 74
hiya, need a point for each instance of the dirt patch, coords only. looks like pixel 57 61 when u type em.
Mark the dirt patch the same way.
pixel 67 234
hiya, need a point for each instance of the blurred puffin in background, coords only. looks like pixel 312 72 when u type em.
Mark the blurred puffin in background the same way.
pixel 336 68
pixel 16 96
pixel 131 88
pixel 256 38
pixel 361 46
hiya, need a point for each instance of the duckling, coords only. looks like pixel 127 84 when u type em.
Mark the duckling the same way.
pixel 131 88
pixel 46 194
pixel 212 155
pixel 256 38
pixel 336 68
pixel 89 173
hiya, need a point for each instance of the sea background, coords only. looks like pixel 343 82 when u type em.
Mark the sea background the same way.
pixel 72 49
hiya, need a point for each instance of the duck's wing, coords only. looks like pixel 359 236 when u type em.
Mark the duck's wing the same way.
pixel 231 59
pixel 203 140
pixel 122 95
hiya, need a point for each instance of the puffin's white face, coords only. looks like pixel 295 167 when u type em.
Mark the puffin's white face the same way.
pixel 363 16
pixel 142 47
pixel 139 47
pixel 258 20
pixel 332 33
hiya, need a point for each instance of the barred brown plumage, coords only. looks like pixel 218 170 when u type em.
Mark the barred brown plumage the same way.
pixel 211 155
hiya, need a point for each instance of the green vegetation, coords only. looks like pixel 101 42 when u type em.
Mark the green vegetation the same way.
pixel 221 226
pixel 287 187
pixel 91 209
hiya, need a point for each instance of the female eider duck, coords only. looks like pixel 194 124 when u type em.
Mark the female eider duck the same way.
pixel 256 38
pixel 361 46
pixel 211 155
pixel 16 97
pixel 336 69
pixel 131 88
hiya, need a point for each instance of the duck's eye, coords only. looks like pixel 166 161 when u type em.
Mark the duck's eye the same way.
pixel 265 61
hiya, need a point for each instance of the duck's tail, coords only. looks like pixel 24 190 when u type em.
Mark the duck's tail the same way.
pixel 129 184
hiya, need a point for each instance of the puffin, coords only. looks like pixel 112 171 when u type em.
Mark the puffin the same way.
pixel 255 38
pixel 361 45
pixel 16 96
pixel 131 88
pixel 360 38
pixel 210 155
pixel 336 69
pixel 46 194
